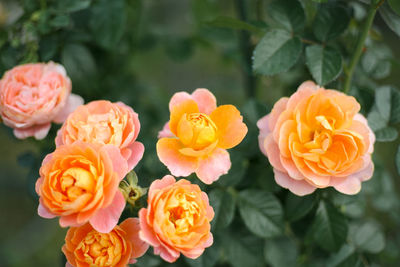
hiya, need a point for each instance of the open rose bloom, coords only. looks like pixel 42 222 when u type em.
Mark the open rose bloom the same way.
pixel 198 134
pixel 84 246
pixel 34 95
pixel 177 219
pixel 104 123
pixel 79 183
pixel 317 138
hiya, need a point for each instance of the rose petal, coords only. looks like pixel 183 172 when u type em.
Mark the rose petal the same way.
pixel 212 167
pixel 205 100
pixel 132 227
pixel 37 131
pixel 43 212
pixel 300 188
pixel 137 150
pixel 73 102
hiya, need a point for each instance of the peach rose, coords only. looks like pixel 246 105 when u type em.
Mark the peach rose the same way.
pixel 102 122
pixel 198 134
pixel 315 139
pixel 84 246
pixel 34 95
pixel 79 182
pixel 177 219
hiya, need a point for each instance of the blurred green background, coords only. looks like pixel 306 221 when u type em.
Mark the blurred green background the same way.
pixel 140 53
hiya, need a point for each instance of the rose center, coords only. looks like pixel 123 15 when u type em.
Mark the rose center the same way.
pixel 184 213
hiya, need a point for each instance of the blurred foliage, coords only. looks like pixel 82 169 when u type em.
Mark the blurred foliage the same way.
pixel 249 53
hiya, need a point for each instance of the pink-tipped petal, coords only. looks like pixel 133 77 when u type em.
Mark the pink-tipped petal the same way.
pixel 146 233
pixel 165 132
pixel 120 165
pixel 276 111
pixel 68 221
pixel 291 168
pixel 132 227
pixel 137 150
pixel 68 264
pixel 73 102
pixel 213 166
pixel 305 90
pixel 44 213
pixel 263 125
pixel 158 184
pixel 300 188
pixel 205 100
pixel 273 153
pixel 349 186
pixel 106 219
pixel 178 98
pixel 37 131
pixel 165 254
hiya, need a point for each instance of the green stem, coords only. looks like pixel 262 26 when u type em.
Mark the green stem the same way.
pixel 360 44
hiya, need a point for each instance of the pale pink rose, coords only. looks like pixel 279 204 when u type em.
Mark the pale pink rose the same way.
pixel 102 122
pixel 34 95
pixel 317 138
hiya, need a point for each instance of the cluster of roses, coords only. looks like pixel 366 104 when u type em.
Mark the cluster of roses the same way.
pixel 314 139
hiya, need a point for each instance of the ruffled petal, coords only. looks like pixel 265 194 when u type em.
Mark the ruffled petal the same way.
pixel 212 167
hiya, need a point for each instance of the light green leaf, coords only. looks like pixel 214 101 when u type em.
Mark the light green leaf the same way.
pixel 78 61
pixel 395 106
pixel 224 208
pixel 330 22
pixel 395 5
pixel 345 257
pixel 297 207
pixel 376 120
pixel 261 212
pixel 234 24
pixel 369 237
pixel 329 227
pixel 289 13
pixel 277 52
pixel 387 134
pixel 376 61
pixel 324 63
pixel 383 101
pixel 72 5
pixel 281 252
pixel 107 21
pixel 391 19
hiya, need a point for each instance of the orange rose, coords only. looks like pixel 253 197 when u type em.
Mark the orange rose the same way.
pixel 315 139
pixel 79 183
pixel 102 122
pixel 177 219
pixel 84 246
pixel 34 95
pixel 198 134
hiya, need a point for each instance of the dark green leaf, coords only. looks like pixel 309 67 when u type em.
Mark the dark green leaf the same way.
pixel 261 212
pixel 78 61
pixel 369 237
pixel 235 24
pixel 376 61
pixel 277 52
pixel 395 5
pixel 281 252
pixel 237 172
pixel 148 261
pixel 345 257
pixel 387 134
pixel 289 13
pixel 107 21
pixel 375 120
pixel 297 207
pixel 48 48
pixel 390 17
pixel 395 106
pixel 224 208
pixel 330 22
pixel 383 101
pixel 324 63
pixel 72 5
pixel 330 227
pixel 60 21
pixel 398 160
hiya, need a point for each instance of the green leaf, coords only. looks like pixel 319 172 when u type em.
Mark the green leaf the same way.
pixel 376 61
pixel 330 227
pixel 78 61
pixel 60 21
pixel 297 207
pixel 391 19
pixel 281 252
pixel 398 160
pixel 243 249
pixel 369 237
pixel 261 212
pixel 209 258
pixel 324 63
pixel 237 172
pixel 345 257
pixel 395 106
pixel 277 52
pixel 383 101
pixel 395 5
pixel 376 120
pixel 234 24
pixel 289 13
pixel 107 22
pixel 387 134
pixel 72 5
pixel 224 208
pixel 330 22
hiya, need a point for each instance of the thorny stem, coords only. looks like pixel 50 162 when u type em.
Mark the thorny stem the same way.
pixel 246 51
pixel 360 43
